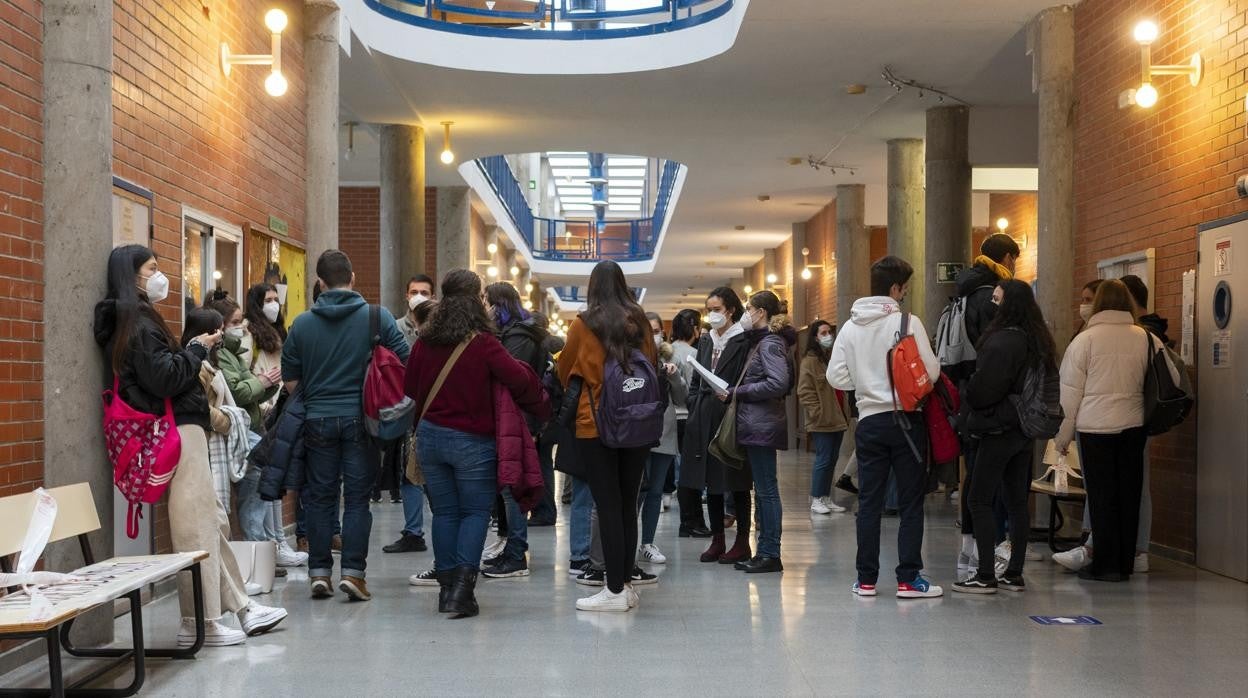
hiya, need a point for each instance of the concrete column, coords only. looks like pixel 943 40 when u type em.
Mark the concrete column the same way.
pixel 948 204
pixel 320 60
pixel 454 233
pixel 905 211
pixel 853 249
pixel 402 210
pixel 1051 42
pixel 797 298
pixel 78 168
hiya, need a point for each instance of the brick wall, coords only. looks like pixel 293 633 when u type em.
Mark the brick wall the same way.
pixel 820 290
pixel 21 246
pixel 359 231
pixel 1020 211
pixel 196 138
pixel 1147 178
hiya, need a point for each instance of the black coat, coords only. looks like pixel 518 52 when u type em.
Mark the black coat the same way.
pixel 976 285
pixel 280 453
pixel 523 340
pixel 1000 371
pixel 698 468
pixel 152 371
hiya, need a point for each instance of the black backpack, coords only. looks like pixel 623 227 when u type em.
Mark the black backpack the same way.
pixel 1166 404
pixel 1039 403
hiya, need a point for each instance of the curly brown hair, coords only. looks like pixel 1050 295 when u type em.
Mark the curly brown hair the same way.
pixel 460 311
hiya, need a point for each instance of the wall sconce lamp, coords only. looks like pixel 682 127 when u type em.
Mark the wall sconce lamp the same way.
pixel 350 152
pixel 276 83
pixel 807 266
pixel 448 156
pixel 1003 224
pixel 1145 95
pixel 749 290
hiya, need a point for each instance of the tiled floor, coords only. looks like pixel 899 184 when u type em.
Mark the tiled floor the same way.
pixel 707 630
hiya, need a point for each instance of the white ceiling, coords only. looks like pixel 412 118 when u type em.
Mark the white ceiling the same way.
pixel 734 119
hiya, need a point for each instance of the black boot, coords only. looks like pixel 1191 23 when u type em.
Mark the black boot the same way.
pixel 462 602
pixel 445 580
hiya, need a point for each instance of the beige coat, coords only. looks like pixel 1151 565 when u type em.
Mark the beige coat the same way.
pixel 1103 377
pixel 818 398
pixel 218 394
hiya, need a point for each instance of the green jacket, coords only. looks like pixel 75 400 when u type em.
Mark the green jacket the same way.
pixel 246 388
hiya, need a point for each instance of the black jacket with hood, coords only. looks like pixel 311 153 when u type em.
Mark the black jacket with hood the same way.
pixel 976 284
pixel 1000 370
pixel 152 371
pixel 523 340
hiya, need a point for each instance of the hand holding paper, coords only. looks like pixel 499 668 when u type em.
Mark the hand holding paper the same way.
pixel 719 384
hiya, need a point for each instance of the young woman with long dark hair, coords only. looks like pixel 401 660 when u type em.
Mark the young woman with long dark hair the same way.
pixel 826 421
pixel 1016 342
pixel 762 424
pixel 456 438
pixel 613 325
pixel 723 351
pixel 150 366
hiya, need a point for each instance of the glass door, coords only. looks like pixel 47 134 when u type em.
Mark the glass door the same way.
pixel 212 259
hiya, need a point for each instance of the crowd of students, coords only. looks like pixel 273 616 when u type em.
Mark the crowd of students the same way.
pixel 497 404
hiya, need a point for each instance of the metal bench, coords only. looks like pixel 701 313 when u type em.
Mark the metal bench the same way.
pixel 1056 518
pixel 107 582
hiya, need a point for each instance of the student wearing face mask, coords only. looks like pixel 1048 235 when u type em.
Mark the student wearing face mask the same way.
pixel 419 290
pixel 723 351
pixel 1085 303
pixel 826 421
pixel 150 366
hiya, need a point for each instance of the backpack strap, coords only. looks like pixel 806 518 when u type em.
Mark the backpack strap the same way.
pixel 374 324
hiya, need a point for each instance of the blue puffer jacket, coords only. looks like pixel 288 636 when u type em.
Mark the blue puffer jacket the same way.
pixel 280 454
pixel 761 416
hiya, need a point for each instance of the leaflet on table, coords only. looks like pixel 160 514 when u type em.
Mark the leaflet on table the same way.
pixel 720 385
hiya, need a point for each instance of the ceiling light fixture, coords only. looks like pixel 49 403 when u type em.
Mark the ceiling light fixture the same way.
pixel 448 155
pixel 275 84
pixel 1145 96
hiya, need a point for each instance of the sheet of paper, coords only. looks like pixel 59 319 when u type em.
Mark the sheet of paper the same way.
pixel 1187 349
pixel 709 376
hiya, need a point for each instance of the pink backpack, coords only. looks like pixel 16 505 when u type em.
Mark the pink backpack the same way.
pixel 144 450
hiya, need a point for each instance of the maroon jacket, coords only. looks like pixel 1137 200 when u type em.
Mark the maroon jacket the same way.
pixel 518 464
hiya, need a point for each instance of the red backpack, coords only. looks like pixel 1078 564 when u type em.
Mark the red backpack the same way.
pixel 144 450
pixel 940 413
pixel 906 371
pixel 388 412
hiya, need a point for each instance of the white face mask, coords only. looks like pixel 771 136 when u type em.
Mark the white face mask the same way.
pixel 826 341
pixel 271 309
pixel 658 340
pixel 747 321
pixel 716 320
pixel 1085 311
pixel 415 301
pixel 235 332
pixel 157 287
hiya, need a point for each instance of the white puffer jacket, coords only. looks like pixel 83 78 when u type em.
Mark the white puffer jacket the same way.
pixel 1103 377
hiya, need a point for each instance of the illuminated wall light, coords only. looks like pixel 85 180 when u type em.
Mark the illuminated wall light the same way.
pixel 1146 95
pixel 748 289
pixel 772 279
pixel 448 155
pixel 492 248
pixel 807 266
pixel 806 274
pixel 275 84
pixel 1003 224
pixel 492 272
pixel 514 271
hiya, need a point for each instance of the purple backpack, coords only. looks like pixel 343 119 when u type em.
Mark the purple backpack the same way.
pixel 630 408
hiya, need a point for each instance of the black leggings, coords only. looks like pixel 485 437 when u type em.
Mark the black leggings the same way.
pixel 715 509
pixel 614 478
pixel 1002 465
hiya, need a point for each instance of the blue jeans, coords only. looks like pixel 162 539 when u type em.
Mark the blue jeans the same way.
pixel 461 481
pixel 339 455
pixel 827 448
pixel 517 529
pixel 252 510
pixel 767 494
pixel 652 494
pixel 301 516
pixel 413 508
pixel 579 529
pixel 883 449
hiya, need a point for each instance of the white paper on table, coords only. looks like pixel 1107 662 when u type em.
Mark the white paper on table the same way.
pixel 709 376
pixel 36 539
pixel 1063 466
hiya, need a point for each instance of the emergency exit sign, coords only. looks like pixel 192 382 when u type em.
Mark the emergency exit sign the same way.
pixel 278 226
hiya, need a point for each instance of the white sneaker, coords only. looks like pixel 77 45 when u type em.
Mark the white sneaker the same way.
pixel 1002 555
pixel 968 558
pixel 493 547
pixel 818 506
pixel 257 619
pixel 833 506
pixel 1141 563
pixel 216 634
pixel 634 598
pixel 667 502
pixel 606 601
pixel 1074 559
pixel 288 557
pixel 651 553
pixel 252 588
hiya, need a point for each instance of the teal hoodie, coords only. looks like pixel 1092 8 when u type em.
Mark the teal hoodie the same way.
pixel 327 351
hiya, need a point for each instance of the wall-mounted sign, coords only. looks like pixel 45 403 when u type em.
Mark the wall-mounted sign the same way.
pixel 1221 342
pixel 278 226
pixel 1222 257
pixel 532 184
pixel 947 272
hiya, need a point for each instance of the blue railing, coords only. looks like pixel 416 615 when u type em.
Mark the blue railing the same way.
pixel 658 17
pixel 556 239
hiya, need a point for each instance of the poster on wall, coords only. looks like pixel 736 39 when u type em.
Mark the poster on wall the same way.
pixel 1222 257
pixel 1187 342
pixel 132 214
pixel 280 262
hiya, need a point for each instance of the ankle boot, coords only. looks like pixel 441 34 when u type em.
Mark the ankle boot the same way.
pixel 446 579
pixel 740 551
pixel 717 548
pixel 461 602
